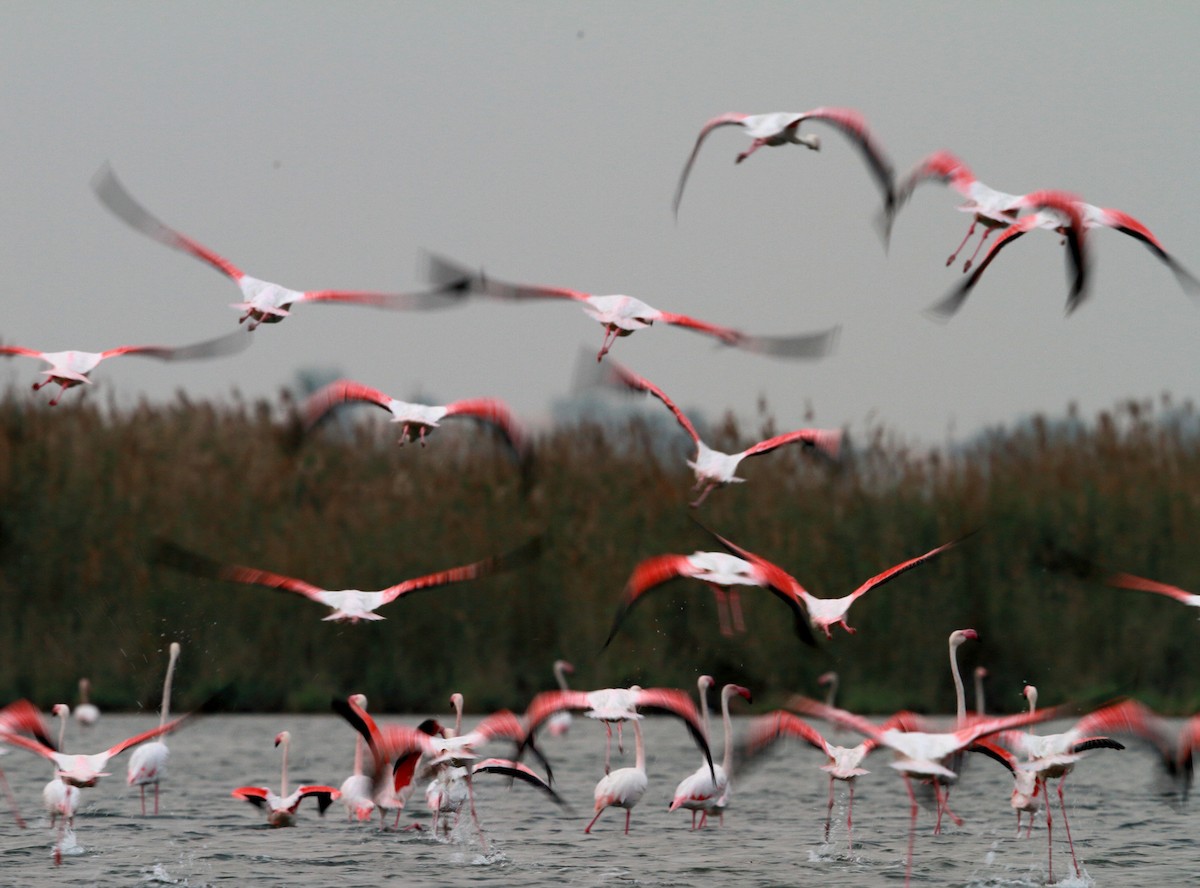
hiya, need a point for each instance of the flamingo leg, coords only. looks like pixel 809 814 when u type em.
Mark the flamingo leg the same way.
pixel 628 814
pixel 703 819
pixel 703 493
pixel 37 386
pixel 12 801
pixel 735 611
pixel 421 436
pixel 474 816
pixel 722 597
pixel 1049 840
pixel 1066 825
pixel 829 810
pixel 404 434
pixel 610 339
pixel 850 820
pixel 607 747
pixel 620 739
pixel 142 793
pixel 967 265
pixel 754 146
pixel 156 798
pixel 588 828
pixel 912 828
pixel 694 813
pixel 958 249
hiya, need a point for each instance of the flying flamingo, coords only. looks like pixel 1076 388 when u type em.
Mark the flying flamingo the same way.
pixel 622 315
pixel 348 605
pixel 1055 558
pixel 923 754
pixel 60 799
pixel 624 787
pixel 822 613
pixel 842 763
pixel 723 573
pixel 281 809
pixel 997 210
pixel 559 723
pixel 262 301
pixel 712 467
pixel 148 763
pixel 782 128
pixel 417 420
pixel 72 368
pixel 22 716
pixel 86 713
pixel 708 789
pixel 617 706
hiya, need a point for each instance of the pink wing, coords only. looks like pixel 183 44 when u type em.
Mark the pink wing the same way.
pixel 184 560
pixel 1074 230
pixel 325 796
pixel 828 441
pixel 21 715
pixel 121 203
pixel 499 724
pixel 228 344
pixel 522 554
pixel 944 309
pixel 1129 581
pixel 1126 224
pixel 808 706
pixel 854 126
pixel 496 414
pixel 22 352
pixel 429 299
pixel 631 380
pixel 326 398
pixel 255 795
pixel 804 345
pixel 648 574
pixel 892 572
pixel 170 726
pixel 545 704
pixel 731 119
pixel 34 746
pixel 765 731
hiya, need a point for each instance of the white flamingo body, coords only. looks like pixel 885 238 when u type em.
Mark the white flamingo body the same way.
pixel 281 807
pixel 148 764
pixel 86 713
pixel 86 770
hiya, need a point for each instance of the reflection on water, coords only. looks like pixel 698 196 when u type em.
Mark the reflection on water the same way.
pixel 1125 834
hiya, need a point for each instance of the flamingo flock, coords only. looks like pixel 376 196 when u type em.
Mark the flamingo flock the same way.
pixel 391 759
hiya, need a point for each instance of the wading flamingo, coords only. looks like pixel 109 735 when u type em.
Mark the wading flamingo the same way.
pixel 262 301
pixel 85 713
pixel 617 706
pixel 981 674
pixel 707 789
pixel 712 467
pixel 281 809
pixel 348 605
pixel 622 315
pixel 624 787
pixel 782 128
pixel 922 754
pixel 417 420
pixel 356 792
pixel 148 764
pixel 559 723
pixel 822 613
pixel 71 368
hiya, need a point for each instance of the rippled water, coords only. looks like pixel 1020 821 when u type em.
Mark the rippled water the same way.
pixel 1125 834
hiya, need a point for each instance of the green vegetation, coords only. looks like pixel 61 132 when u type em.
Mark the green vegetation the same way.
pixel 85 492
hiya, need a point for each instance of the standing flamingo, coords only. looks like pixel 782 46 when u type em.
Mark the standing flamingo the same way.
pixel 86 713
pixel 624 787
pixel 348 605
pixel 60 799
pixel 71 368
pixel 622 315
pixel 148 763
pixel 981 674
pixel 617 706
pixel 919 753
pixel 782 128
pixel 281 808
pixel 262 301
pixel 356 791
pixel 417 419
pixel 559 723
pixel 712 467
pixel 707 789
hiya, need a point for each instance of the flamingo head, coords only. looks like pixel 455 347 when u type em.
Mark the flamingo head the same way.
pixel 1029 692
pixel 731 689
pixel 359 700
pixel 981 672
pixel 958 636
pixel 827 678
pixel 62 710
pixel 283 737
pixel 432 727
pixel 705 682
pixel 564 666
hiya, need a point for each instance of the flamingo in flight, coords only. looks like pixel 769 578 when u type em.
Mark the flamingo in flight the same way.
pixel 148 764
pixel 923 754
pixel 23 716
pixel 783 128
pixel 841 762
pixel 60 799
pixel 281 809
pixel 69 369
pixel 822 613
pixel 348 605
pixel 416 420
pixel 708 789
pixel 997 210
pixel 622 315
pixel 262 301
pixel 617 706
pixel 1062 560
pixel 713 468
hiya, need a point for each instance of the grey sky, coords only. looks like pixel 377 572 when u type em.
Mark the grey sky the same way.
pixel 323 145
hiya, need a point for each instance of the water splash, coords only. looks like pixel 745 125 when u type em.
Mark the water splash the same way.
pixel 159 876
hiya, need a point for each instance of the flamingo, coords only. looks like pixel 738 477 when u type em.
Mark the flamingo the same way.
pixel 559 723
pixel 822 613
pixel 22 716
pixel 997 210
pixel 148 763
pixel 924 754
pixel 356 791
pixel 281 809
pixel 782 128
pixel 348 605
pixel 1053 756
pixel 86 713
pixel 69 369
pixel 262 301
pixel 60 799
pixel 712 467
pixel 622 315
pixel 617 706
pixel 841 762
pixel 981 673
pixel 624 787
pixel 723 573
pixel 417 420
pixel 449 792
pixel 1062 560
pixel 708 789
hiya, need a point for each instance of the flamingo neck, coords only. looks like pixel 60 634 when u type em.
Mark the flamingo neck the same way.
pixel 84 686
pixel 166 700
pixel 560 676
pixel 640 761
pixel 458 708
pixel 727 761
pixel 831 694
pixel 960 698
pixel 979 693
pixel 61 710
pixel 283 783
pixel 358 755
